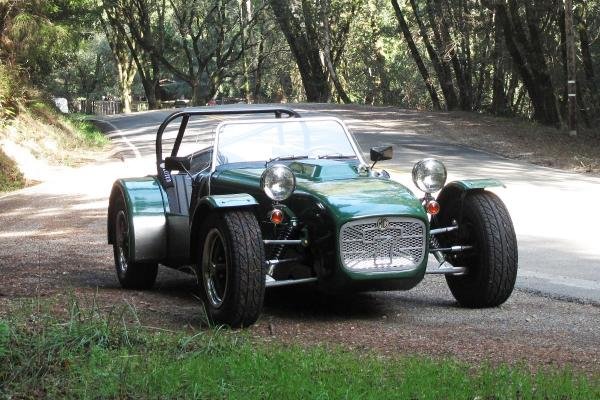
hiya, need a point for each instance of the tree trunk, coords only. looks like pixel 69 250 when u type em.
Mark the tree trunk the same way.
pixel 258 72
pixel 571 63
pixel 149 78
pixel 122 52
pixel 591 89
pixel 533 71
pixel 416 55
pixel 245 12
pixel 327 53
pixel 126 74
pixel 461 72
pixel 499 98
pixel 301 38
pixel 380 81
pixel 444 78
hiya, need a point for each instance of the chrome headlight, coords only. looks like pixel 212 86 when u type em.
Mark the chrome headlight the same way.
pixel 278 182
pixel 429 175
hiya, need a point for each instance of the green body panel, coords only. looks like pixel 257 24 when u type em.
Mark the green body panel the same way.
pixel 474 184
pixel 323 170
pixel 346 196
pixel 363 197
pixel 229 200
pixel 147 206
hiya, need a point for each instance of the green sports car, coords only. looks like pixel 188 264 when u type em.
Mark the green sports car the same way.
pixel 270 198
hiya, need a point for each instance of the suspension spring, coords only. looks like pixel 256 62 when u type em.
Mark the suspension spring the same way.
pixel 284 235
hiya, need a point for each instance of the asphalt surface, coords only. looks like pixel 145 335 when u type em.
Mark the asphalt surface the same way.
pixel 553 211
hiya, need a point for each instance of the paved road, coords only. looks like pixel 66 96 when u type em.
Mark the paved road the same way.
pixel 553 211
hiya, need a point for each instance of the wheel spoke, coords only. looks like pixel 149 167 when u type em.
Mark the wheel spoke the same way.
pixel 214 268
pixel 122 240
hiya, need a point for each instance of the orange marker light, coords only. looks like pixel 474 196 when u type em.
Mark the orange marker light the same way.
pixel 432 207
pixel 276 216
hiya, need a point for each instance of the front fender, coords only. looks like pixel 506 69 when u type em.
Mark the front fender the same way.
pixel 213 203
pixel 228 201
pixel 458 190
pixel 146 205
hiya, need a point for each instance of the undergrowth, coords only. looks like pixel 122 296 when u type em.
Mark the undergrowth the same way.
pixel 10 176
pixel 94 354
pixel 29 119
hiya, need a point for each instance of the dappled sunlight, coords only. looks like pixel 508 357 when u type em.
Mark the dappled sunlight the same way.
pixel 92 205
pixel 20 234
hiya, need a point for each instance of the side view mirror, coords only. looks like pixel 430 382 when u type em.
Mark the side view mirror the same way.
pixel 178 164
pixel 381 153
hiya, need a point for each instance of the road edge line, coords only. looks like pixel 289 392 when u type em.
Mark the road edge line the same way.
pixel 118 133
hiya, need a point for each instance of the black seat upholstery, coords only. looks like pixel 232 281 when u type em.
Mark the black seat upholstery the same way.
pixel 180 194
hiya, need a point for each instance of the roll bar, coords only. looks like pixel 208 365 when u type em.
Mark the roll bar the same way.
pixel 185 115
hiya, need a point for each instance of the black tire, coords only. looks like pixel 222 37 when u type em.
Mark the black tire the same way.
pixel 492 263
pixel 131 275
pixel 230 268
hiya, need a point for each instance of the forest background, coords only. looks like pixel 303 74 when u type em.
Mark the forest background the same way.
pixel 502 57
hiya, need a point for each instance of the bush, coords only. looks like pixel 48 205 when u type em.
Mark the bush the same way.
pixel 10 179
pixel 11 92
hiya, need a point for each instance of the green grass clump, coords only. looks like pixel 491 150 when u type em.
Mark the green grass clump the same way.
pixel 86 130
pixel 10 176
pixel 73 131
pixel 94 355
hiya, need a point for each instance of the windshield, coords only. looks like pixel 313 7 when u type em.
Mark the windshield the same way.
pixel 264 140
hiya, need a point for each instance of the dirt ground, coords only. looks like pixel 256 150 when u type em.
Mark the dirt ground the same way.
pixel 53 246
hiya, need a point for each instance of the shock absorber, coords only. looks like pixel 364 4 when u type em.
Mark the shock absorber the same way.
pixel 285 234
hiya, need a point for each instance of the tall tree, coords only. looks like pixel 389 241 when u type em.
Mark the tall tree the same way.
pixel 144 30
pixel 440 65
pixel 416 55
pixel 500 105
pixel 299 24
pixel 123 50
pixel 327 44
pixel 527 52
pixel 590 87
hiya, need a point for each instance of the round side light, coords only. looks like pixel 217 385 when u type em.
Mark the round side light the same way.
pixel 432 207
pixel 276 216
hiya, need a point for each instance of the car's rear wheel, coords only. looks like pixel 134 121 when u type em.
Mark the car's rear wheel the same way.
pixel 131 275
pixel 231 268
pixel 485 224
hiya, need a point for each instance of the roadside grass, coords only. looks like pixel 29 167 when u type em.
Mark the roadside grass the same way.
pixel 72 131
pixel 94 354
pixel 38 129
pixel 10 176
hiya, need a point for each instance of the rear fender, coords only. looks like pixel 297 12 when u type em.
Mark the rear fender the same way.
pixel 146 210
pixel 215 203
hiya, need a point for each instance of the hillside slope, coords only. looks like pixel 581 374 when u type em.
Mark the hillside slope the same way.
pixel 37 137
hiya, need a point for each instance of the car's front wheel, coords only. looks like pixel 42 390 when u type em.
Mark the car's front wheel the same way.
pixel 486 226
pixel 231 268
pixel 131 274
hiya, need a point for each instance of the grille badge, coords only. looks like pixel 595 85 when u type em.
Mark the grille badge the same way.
pixel 383 224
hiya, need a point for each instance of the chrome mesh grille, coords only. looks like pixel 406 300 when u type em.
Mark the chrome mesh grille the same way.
pixel 382 244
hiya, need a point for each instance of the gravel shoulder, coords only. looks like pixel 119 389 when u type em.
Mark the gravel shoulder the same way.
pixel 53 247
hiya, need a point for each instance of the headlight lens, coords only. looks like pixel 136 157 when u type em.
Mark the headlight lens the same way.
pixel 429 175
pixel 278 182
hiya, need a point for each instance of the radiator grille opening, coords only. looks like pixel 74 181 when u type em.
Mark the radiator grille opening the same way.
pixel 382 244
